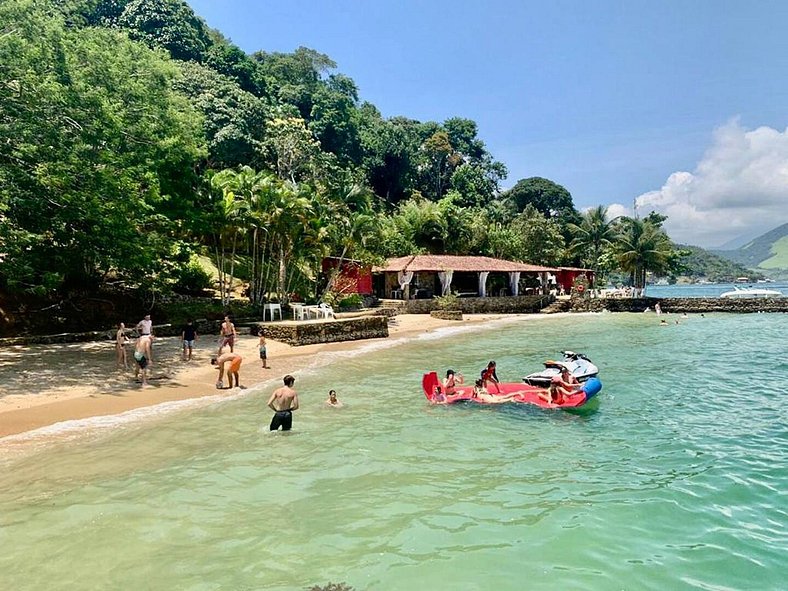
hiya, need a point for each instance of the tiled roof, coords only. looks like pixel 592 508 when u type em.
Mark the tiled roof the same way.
pixel 581 269
pixel 446 262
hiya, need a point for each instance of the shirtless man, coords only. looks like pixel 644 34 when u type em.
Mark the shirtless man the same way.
pixel 283 402
pixel 228 334
pixel 234 359
pixel 142 357
pixel 145 328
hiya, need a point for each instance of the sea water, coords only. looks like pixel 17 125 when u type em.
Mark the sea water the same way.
pixel 676 480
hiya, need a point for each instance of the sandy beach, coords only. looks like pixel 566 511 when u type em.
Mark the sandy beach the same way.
pixel 41 385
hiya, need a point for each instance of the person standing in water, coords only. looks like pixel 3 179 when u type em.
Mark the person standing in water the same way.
pixel 283 402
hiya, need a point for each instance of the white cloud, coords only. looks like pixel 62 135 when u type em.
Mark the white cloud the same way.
pixel 739 187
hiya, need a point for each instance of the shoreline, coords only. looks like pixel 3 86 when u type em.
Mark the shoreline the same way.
pixel 80 381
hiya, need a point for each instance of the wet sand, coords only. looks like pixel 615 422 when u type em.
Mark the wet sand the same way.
pixel 41 385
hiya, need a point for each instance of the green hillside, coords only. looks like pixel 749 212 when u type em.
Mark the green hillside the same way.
pixel 698 263
pixel 769 251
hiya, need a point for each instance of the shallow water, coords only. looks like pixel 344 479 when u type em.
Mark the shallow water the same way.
pixel 676 480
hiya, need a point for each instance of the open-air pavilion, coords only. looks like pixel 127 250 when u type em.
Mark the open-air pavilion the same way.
pixel 426 276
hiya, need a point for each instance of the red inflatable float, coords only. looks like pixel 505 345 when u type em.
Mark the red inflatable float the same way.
pixel 507 392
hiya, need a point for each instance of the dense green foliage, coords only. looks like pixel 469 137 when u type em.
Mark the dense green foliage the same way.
pixel 135 137
pixel 698 263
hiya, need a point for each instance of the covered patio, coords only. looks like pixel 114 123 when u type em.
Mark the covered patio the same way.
pixel 427 276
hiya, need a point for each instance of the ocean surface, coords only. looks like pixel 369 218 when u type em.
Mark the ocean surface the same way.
pixel 676 479
pixel 707 290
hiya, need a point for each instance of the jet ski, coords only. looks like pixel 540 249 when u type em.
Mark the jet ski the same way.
pixel 579 366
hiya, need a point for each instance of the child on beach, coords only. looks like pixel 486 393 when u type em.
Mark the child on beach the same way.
pixel 263 351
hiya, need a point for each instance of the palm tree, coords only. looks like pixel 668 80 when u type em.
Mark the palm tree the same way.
pixel 642 246
pixel 592 237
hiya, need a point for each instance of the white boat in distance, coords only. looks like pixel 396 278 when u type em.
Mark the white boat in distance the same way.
pixel 742 293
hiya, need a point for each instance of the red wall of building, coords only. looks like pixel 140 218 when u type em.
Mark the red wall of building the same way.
pixel 353 277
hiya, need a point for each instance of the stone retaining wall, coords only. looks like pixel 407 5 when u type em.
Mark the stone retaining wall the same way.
pixel 310 333
pixel 681 305
pixel 505 305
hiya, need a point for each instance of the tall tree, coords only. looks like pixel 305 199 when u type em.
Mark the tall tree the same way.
pixel 592 237
pixel 97 145
pixel 642 247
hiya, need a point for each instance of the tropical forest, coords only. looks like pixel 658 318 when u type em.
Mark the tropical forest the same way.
pixel 143 154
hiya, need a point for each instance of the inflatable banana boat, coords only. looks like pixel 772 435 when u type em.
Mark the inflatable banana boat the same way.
pixel 507 392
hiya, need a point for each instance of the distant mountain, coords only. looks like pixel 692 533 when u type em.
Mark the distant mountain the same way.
pixel 735 243
pixel 768 252
pixel 700 263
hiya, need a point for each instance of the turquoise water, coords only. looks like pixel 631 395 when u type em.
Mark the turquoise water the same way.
pixel 676 481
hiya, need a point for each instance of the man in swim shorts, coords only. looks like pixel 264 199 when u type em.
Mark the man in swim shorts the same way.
pixel 283 402
pixel 233 363
pixel 227 335
pixel 142 356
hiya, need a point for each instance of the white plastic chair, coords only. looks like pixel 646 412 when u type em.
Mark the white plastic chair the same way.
pixel 326 310
pixel 271 309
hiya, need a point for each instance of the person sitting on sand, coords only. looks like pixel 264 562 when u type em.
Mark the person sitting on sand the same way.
pixel 490 377
pixel 332 399
pixel 142 357
pixel 450 383
pixel 234 360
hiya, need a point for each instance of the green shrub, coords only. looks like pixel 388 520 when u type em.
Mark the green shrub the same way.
pixel 192 279
pixel 354 300
pixel 448 302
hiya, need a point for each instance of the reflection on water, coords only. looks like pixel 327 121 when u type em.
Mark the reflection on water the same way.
pixel 673 481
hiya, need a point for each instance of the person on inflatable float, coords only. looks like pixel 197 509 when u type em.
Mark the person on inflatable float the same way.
pixel 450 383
pixel 561 386
pixel 489 376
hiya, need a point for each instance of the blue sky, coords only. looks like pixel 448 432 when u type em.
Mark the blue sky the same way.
pixel 610 99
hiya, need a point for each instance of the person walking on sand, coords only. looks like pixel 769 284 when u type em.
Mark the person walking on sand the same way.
pixel 121 340
pixel 263 351
pixel 234 360
pixel 188 337
pixel 227 335
pixel 283 402
pixel 145 329
pixel 142 357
